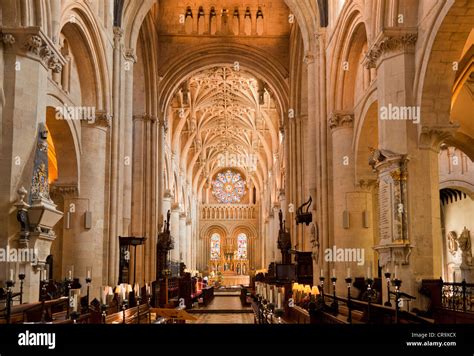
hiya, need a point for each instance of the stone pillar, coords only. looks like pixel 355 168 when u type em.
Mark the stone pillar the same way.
pixel 82 246
pixel 189 244
pixel 116 165
pixel 174 228
pixel 182 238
pixel 349 205
pixel 312 154
pixel 29 58
pixel 407 166
pixel 130 59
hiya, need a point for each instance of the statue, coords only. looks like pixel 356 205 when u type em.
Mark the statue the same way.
pixel 284 240
pixel 452 242
pixel 315 241
pixel 464 242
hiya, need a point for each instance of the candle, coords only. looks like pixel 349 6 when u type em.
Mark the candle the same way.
pixel 122 289
pixel 89 274
pixel 348 272
pixel 74 303
pixel 69 274
pixel 137 289
pixel 396 272
pixel 103 296
pixel 279 299
pixel 322 273
pixel 334 272
pixel 11 275
pixel 44 275
pixel 369 271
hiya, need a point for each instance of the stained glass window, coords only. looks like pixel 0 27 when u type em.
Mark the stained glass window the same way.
pixel 228 187
pixel 242 246
pixel 215 246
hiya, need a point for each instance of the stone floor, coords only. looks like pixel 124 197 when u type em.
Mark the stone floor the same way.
pixel 223 318
pixel 223 310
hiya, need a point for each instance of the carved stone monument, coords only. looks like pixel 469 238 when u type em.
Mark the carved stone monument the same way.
pixel 394 245
pixel 467 269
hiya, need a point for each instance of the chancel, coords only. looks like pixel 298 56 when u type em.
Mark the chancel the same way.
pixel 270 161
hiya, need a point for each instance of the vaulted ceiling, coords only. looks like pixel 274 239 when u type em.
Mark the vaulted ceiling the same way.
pixel 224 117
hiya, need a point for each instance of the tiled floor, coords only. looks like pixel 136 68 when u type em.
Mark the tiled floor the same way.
pixel 232 312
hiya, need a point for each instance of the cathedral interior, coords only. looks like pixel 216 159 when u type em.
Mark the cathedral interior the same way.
pixel 297 161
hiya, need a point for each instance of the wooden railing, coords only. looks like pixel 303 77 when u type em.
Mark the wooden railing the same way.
pixel 226 212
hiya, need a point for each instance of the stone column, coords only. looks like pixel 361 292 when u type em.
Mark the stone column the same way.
pixel 130 59
pixel 84 246
pixel 407 166
pixel 190 243
pixel 29 58
pixel 182 238
pixel 174 228
pixel 349 204
pixel 116 167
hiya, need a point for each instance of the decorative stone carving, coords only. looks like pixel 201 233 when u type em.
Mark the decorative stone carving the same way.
pixel 33 44
pixel 431 137
pixel 394 244
pixel 452 242
pixel 8 39
pixel 339 119
pixel 464 242
pixel 388 43
pixel 103 119
pixel 130 55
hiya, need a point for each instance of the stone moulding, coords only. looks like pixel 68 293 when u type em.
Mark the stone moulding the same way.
pixel 339 119
pixel 397 252
pixel 32 42
pixel 389 41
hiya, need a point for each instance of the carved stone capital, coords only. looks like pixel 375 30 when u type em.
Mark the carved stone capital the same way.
pixel 34 44
pixel 340 119
pixel 8 39
pixel 118 31
pixel 103 119
pixel 387 42
pixel 130 55
pixel 431 137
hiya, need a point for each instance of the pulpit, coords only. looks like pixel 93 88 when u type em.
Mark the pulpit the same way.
pixel 124 270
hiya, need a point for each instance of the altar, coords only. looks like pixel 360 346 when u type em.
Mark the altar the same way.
pixel 235 280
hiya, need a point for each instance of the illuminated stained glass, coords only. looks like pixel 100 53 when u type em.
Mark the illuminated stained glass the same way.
pixel 228 187
pixel 215 246
pixel 242 246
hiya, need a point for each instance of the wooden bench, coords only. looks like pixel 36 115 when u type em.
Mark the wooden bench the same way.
pixel 136 315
